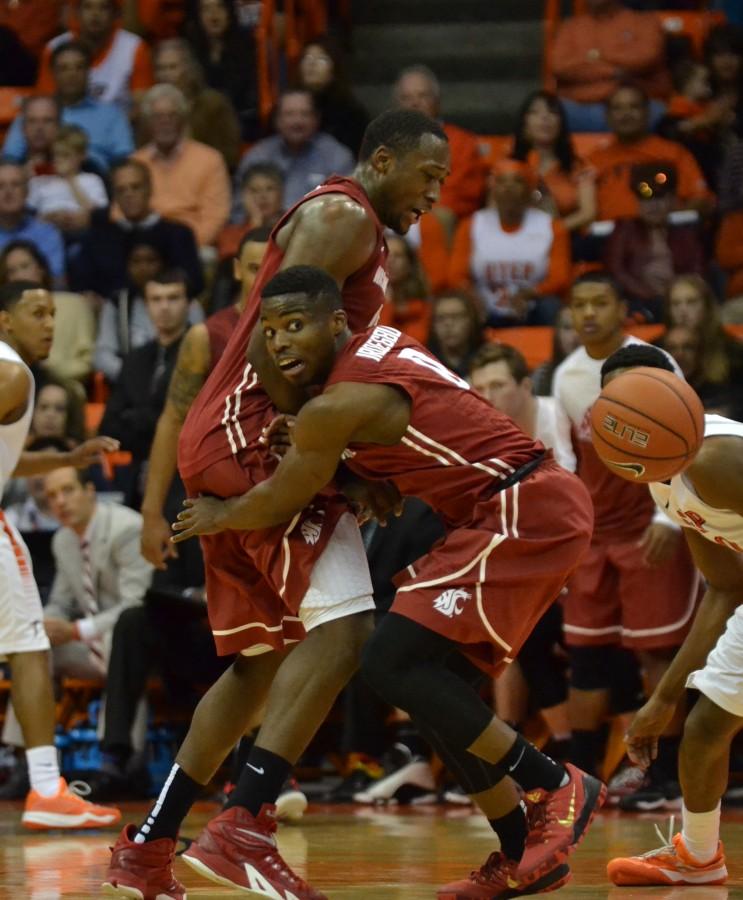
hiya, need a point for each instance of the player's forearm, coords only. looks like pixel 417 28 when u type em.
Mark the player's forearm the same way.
pixel 40 462
pixel 162 462
pixel 714 611
pixel 259 508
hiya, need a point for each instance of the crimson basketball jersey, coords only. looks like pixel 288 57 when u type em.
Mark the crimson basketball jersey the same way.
pixel 456 450
pixel 219 327
pixel 230 409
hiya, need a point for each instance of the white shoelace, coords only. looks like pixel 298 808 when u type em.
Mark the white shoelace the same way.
pixel 667 841
pixel 80 788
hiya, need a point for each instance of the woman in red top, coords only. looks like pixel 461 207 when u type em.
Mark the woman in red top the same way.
pixel 542 140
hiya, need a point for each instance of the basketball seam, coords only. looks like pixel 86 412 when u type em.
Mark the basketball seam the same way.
pixel 632 453
pixel 678 394
pixel 663 425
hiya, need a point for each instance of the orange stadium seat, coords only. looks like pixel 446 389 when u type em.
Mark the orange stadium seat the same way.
pixel 93 415
pixel 11 101
pixel 535 342
pixel 693 25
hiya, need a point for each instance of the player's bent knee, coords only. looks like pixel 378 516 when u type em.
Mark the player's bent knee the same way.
pixel 706 721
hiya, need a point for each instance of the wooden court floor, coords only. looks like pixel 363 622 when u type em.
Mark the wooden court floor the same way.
pixel 354 853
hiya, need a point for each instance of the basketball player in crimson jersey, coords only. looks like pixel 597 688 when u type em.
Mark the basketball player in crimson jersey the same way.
pixel 304 587
pixel 707 502
pixel 390 410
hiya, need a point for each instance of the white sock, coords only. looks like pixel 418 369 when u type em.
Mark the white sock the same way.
pixel 43 770
pixel 701 833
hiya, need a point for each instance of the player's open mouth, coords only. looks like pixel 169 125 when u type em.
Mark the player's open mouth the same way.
pixel 290 365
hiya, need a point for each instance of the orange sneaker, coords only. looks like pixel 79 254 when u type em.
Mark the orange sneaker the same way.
pixel 67 809
pixel 672 864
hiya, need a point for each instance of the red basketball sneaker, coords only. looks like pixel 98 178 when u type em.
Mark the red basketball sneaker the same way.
pixel 239 850
pixel 142 871
pixel 671 864
pixel 559 819
pixel 500 878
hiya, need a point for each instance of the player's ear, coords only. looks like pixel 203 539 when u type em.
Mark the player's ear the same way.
pixel 340 322
pixel 382 160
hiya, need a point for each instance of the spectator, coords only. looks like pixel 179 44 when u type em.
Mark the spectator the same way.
pixel 418 88
pixel 120 60
pixel 729 255
pixel 262 201
pixel 723 54
pixel 58 413
pixel 306 155
pixel 720 396
pixel 68 197
pixel 101 264
pixel 691 305
pixel 632 145
pixel 516 257
pixel 593 53
pixel 71 356
pixel 456 330
pixel 105 124
pixel 138 394
pixel 695 120
pixel 408 307
pixel 16 223
pixel 542 140
pixel 322 70
pixel 644 254
pixel 124 322
pixel 39 123
pixel 212 119
pixel 99 573
pixel 564 341
pixel 227 56
pixel 189 180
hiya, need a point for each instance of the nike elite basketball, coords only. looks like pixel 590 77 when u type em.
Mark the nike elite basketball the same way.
pixel 647 425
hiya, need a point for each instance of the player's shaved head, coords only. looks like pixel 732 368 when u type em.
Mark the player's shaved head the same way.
pixel 311 286
pixel 634 355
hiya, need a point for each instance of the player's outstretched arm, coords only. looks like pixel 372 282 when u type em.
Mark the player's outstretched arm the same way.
pixel 189 375
pixel 323 430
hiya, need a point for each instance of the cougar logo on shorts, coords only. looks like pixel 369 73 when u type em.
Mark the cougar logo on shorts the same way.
pixel 311 531
pixel 448 602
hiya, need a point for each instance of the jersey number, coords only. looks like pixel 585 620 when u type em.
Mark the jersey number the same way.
pixel 420 359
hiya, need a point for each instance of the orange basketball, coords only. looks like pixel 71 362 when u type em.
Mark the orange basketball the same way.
pixel 647 425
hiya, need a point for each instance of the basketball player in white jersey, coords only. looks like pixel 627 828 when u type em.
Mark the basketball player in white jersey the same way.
pixel 706 499
pixel 26 331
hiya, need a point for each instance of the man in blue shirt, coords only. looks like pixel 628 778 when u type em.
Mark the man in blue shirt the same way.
pixel 108 129
pixel 16 222
pixel 305 155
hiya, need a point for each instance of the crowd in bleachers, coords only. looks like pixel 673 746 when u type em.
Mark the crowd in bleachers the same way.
pixel 139 165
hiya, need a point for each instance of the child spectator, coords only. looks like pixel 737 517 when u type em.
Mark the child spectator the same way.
pixel 262 201
pixel 408 308
pixel 67 198
pixel 644 253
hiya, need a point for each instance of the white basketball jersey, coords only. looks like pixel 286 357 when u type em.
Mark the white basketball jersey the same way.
pixel 679 501
pixel 553 430
pixel 13 436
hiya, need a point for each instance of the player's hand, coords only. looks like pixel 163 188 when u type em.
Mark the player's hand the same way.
pixel 658 543
pixel 373 500
pixel 156 546
pixel 648 725
pixel 277 435
pixel 90 452
pixel 59 631
pixel 201 515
